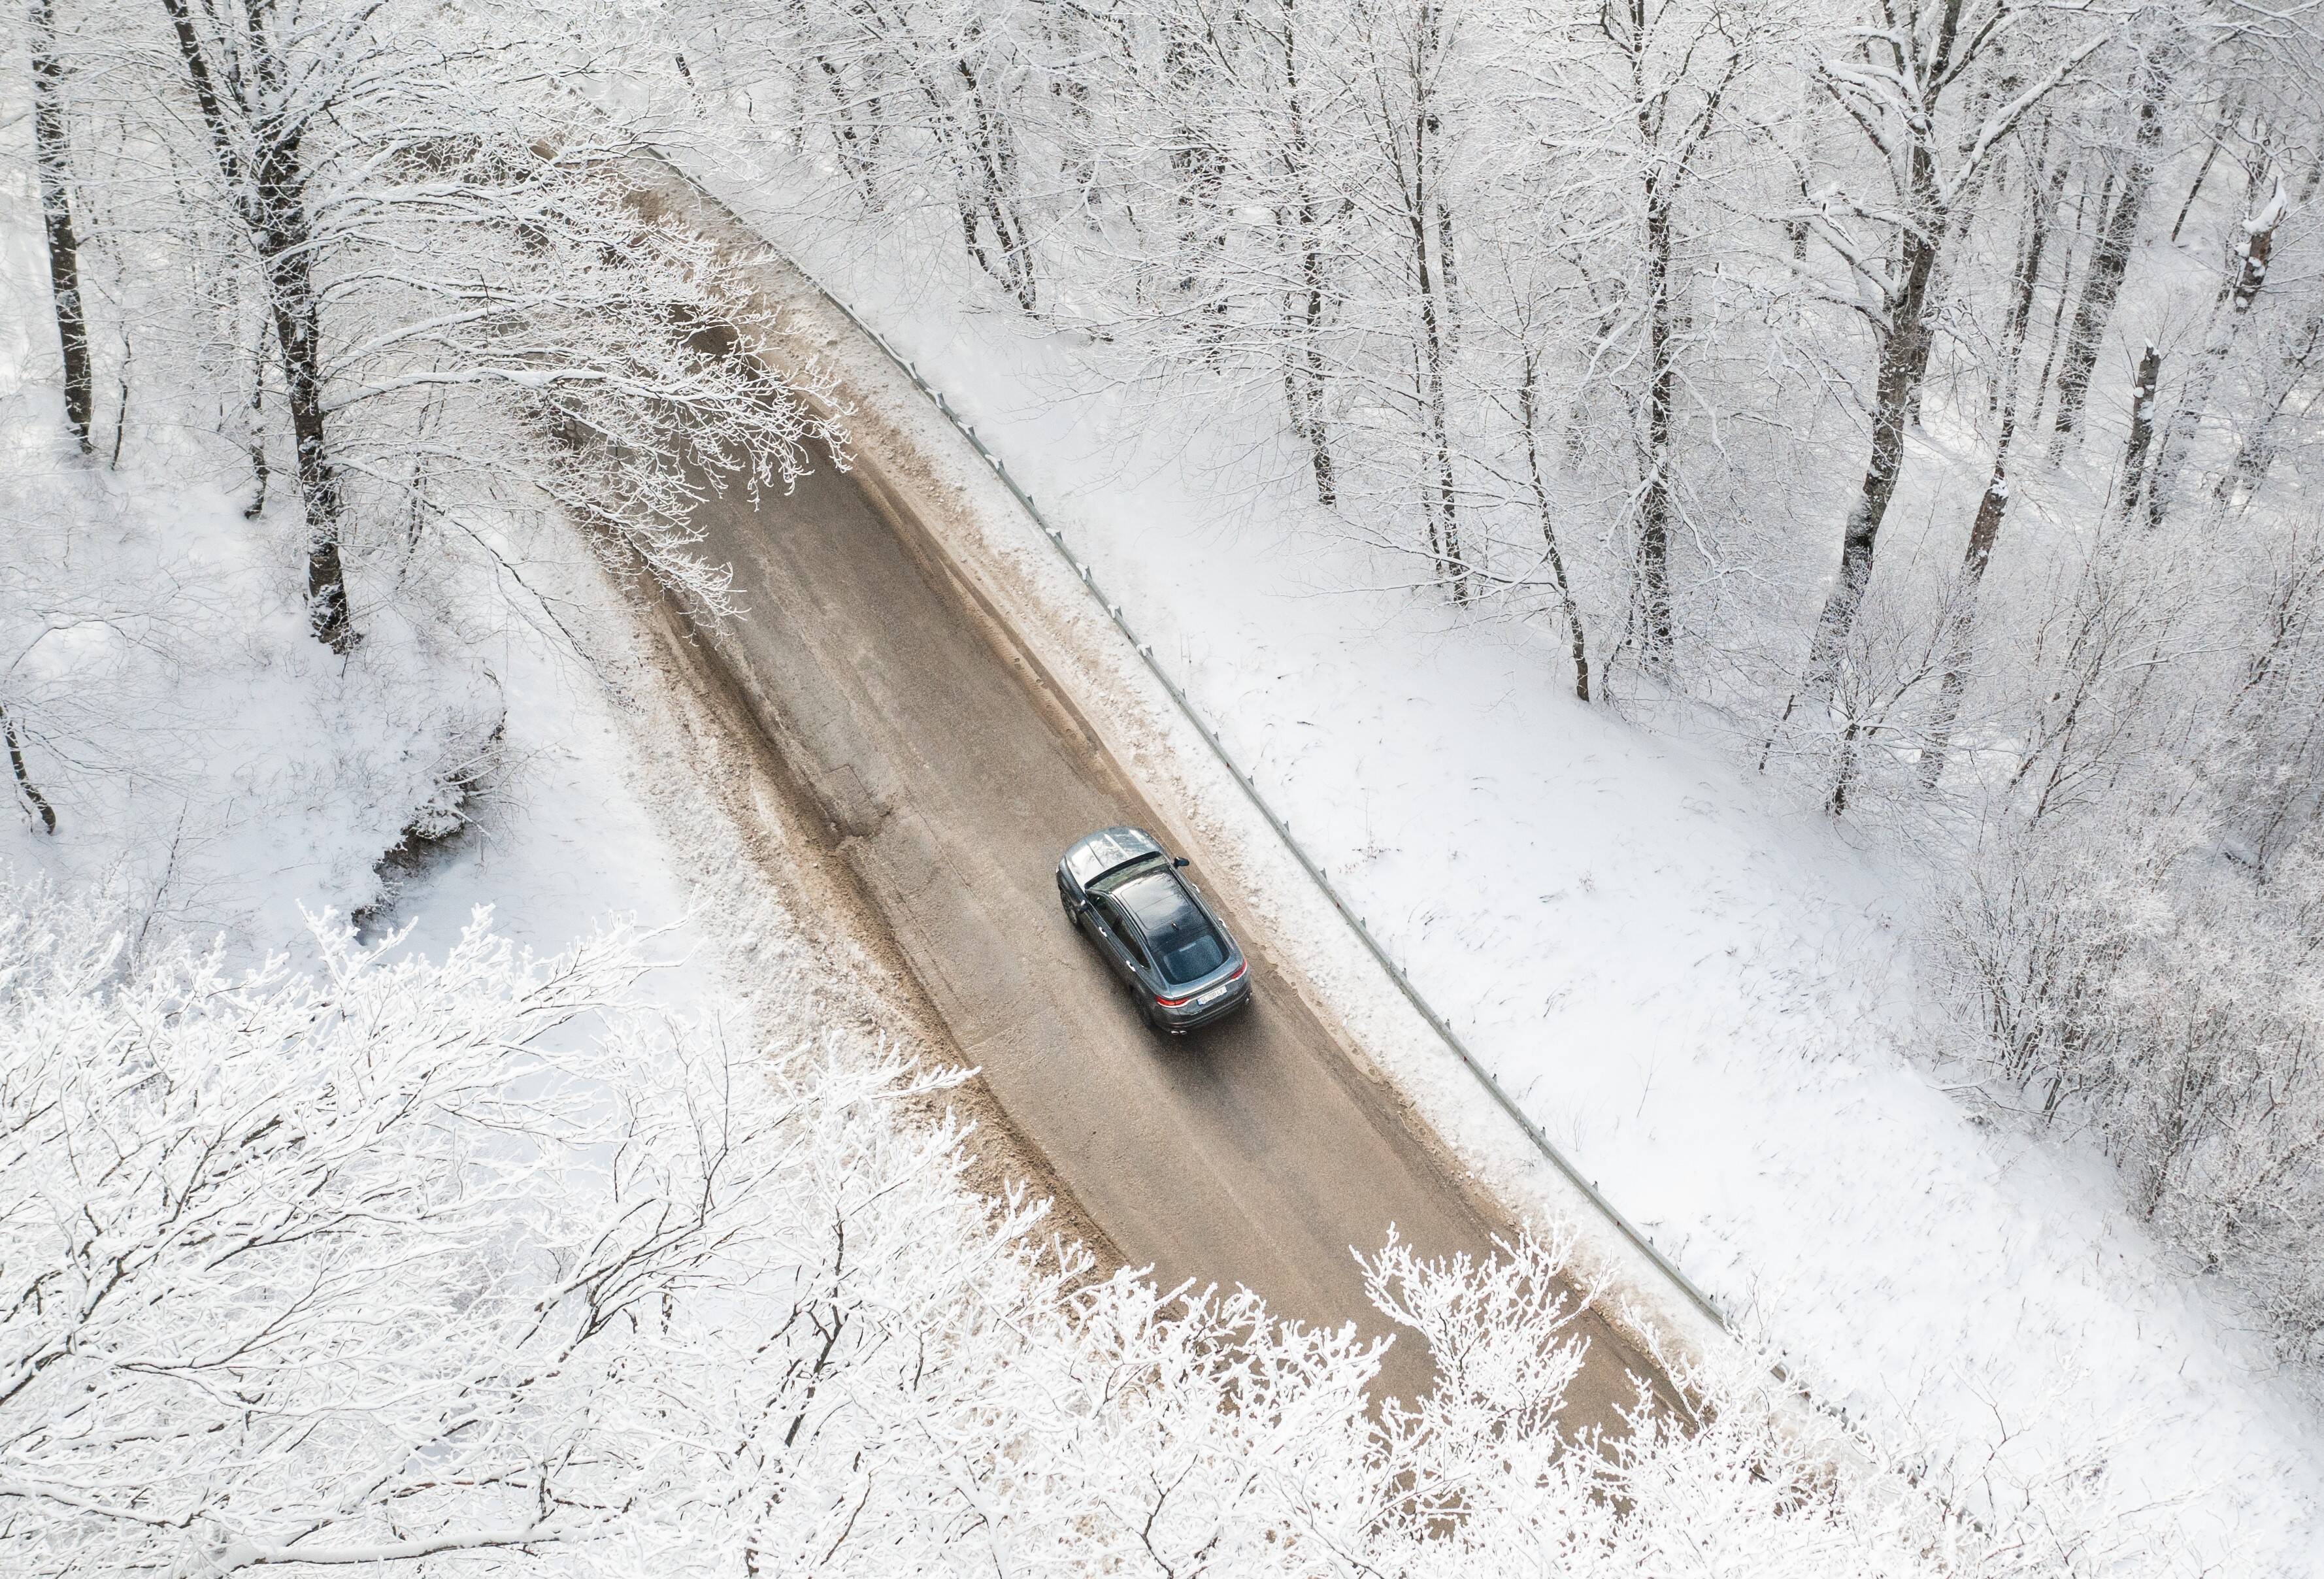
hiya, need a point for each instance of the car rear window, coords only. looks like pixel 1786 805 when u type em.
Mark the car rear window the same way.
pixel 1189 950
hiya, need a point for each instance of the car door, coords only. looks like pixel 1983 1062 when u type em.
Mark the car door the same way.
pixel 1115 940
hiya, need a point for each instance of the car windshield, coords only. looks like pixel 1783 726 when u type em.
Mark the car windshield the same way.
pixel 1123 875
pixel 1185 947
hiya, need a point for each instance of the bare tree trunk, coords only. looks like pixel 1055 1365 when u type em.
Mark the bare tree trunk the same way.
pixel 284 239
pixel 1448 265
pixel 261 474
pixel 987 163
pixel 1445 526
pixel 297 332
pixel 24 785
pixel 120 402
pixel 1199 162
pixel 1902 361
pixel 853 162
pixel 2045 190
pixel 2118 233
pixel 2055 339
pixel 981 149
pixel 996 161
pixel 1966 210
pixel 2248 261
pixel 2044 185
pixel 1423 204
pixel 2142 429
pixel 1528 389
pixel 1077 153
pixel 1306 382
pixel 2210 156
pixel 1654 613
pixel 50 158
pixel 2257 453
pixel 1319 437
pixel 1667 164
pixel 267 184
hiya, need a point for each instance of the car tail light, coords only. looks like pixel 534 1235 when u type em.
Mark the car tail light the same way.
pixel 1189 998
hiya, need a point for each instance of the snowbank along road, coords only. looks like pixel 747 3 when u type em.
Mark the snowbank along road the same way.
pixel 950 778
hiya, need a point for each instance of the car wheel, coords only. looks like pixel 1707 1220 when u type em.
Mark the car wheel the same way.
pixel 1073 917
pixel 1151 1015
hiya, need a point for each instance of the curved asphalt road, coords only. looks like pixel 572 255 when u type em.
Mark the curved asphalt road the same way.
pixel 1249 1153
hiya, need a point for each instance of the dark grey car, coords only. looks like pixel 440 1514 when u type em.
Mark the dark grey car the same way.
pixel 1125 893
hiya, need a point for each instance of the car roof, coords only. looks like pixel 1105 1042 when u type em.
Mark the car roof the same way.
pixel 1156 899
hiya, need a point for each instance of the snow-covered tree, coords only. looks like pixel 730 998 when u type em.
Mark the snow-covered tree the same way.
pixel 479 1265
pixel 1933 90
pixel 454 291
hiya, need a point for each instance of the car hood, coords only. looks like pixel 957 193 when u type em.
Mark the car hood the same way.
pixel 1106 849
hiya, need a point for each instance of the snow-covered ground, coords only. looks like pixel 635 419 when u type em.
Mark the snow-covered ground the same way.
pixel 1702 993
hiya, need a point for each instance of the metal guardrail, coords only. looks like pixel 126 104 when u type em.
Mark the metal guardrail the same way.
pixel 1313 869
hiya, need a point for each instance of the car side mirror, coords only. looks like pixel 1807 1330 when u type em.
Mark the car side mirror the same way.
pixel 1180 861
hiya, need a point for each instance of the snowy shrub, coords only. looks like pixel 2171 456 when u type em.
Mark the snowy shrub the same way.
pixel 2131 979
pixel 2134 925
pixel 475 1265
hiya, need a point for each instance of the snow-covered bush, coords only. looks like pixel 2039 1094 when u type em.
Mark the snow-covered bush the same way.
pixel 2132 924
pixel 2132 978
pixel 475 1265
